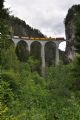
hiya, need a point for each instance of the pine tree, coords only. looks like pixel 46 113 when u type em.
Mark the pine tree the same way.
pixel 1 4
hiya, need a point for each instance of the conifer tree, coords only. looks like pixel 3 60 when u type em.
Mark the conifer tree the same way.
pixel 1 4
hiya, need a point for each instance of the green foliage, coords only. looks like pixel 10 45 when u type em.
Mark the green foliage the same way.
pixel 60 80
pixel 70 111
pixel 66 110
pixel 9 59
pixel 76 75
pixel 34 64
pixel 1 4
pixel 3 112
pixel 27 95
pixel 5 41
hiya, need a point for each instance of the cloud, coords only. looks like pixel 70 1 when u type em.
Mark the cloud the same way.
pixel 46 15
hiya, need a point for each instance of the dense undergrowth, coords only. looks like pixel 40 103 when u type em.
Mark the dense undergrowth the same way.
pixel 25 95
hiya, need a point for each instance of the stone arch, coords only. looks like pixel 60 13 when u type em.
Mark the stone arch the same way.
pixel 35 49
pixel 50 53
pixel 35 53
pixel 15 41
pixel 22 51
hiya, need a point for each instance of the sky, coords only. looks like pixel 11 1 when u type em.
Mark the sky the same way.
pixel 46 15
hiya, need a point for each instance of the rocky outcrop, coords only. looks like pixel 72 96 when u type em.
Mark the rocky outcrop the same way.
pixel 70 30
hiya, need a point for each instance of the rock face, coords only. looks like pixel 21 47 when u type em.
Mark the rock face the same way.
pixel 70 38
pixel 70 30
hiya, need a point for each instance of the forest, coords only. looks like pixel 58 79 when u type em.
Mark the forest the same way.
pixel 27 95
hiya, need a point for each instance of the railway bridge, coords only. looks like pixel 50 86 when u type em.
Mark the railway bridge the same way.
pixel 52 44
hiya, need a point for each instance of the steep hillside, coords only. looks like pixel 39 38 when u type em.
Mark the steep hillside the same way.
pixel 20 28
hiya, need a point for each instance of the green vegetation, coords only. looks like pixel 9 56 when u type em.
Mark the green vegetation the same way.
pixel 25 95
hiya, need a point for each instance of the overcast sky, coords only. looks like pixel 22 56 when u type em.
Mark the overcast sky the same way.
pixel 45 15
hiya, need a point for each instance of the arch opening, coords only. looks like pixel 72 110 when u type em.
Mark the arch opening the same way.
pixel 35 54
pixel 22 51
pixel 50 53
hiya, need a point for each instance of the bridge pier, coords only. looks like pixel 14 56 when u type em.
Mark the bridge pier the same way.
pixel 43 59
pixel 57 54
pixel 29 47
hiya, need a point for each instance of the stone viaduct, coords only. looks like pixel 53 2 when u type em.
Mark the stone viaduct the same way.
pixel 43 43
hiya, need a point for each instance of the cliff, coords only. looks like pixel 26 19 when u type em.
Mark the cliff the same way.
pixel 70 30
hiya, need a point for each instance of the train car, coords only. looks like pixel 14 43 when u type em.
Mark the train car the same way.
pixel 16 37
pixel 27 38
pixel 60 38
